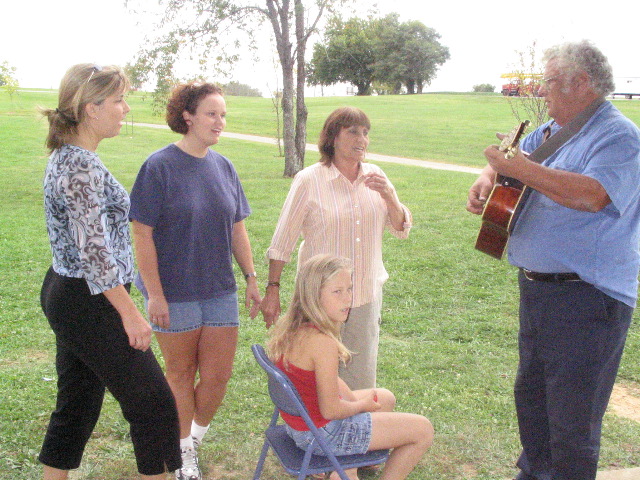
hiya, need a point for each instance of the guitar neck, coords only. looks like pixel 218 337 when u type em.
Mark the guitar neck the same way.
pixel 509 182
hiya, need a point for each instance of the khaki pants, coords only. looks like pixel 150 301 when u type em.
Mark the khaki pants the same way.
pixel 360 334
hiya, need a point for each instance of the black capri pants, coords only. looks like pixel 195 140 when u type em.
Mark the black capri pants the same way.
pixel 93 353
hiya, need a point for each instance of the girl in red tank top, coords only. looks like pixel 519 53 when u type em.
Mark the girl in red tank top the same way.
pixel 305 344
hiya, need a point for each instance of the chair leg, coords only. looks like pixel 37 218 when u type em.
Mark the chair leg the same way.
pixel 263 456
pixel 265 447
pixel 305 463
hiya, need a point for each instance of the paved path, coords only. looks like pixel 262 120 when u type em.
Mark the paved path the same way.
pixel 627 474
pixel 371 156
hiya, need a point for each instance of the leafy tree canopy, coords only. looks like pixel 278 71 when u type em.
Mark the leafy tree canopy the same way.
pixel 211 32
pixel 378 51
pixel 8 80
pixel 484 88
pixel 346 56
pixel 240 89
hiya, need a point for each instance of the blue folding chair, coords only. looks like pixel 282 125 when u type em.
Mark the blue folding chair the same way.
pixel 296 461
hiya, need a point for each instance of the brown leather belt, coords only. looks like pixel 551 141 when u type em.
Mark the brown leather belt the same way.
pixel 551 277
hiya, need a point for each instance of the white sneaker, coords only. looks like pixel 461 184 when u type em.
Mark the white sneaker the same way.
pixel 190 469
pixel 196 443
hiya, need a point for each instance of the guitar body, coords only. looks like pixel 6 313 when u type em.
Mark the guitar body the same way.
pixel 498 218
pixel 504 203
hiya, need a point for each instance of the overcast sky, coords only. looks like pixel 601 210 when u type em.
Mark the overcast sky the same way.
pixel 42 38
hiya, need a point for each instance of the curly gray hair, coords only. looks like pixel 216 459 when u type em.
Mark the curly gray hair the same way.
pixel 576 56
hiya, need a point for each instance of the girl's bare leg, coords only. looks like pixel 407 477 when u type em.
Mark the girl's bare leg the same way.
pixel 409 435
pixel 387 401
pixel 352 473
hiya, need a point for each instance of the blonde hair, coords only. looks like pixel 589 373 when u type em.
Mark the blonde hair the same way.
pixel 305 307
pixel 82 84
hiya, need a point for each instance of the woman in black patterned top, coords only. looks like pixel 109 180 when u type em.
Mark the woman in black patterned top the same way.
pixel 102 339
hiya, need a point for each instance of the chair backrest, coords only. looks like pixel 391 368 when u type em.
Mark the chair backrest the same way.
pixel 281 390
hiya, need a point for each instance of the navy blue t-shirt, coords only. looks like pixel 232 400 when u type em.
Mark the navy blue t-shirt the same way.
pixel 192 204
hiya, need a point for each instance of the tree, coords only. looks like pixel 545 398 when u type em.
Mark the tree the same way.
pixel 240 89
pixel 381 52
pixel 407 53
pixel 199 25
pixel 484 88
pixel 347 55
pixel 528 105
pixel 137 72
pixel 8 81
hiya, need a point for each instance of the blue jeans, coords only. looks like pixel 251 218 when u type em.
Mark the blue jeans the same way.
pixel 214 312
pixel 571 339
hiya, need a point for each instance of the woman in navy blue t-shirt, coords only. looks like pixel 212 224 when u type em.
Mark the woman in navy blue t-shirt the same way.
pixel 188 210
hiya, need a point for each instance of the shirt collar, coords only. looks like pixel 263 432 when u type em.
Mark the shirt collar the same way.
pixel 335 173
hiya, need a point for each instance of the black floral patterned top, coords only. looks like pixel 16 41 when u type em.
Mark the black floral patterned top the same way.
pixel 87 211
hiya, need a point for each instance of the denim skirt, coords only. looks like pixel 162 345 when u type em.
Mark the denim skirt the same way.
pixel 348 436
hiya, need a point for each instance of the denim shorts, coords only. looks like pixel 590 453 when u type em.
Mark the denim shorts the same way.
pixel 214 312
pixel 348 436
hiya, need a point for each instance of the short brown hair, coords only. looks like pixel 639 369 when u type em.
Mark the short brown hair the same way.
pixel 185 98
pixel 340 118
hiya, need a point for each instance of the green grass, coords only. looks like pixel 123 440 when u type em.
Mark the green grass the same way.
pixel 440 127
pixel 448 346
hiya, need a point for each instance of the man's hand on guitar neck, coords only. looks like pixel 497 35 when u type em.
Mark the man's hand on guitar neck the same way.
pixel 505 159
pixel 509 167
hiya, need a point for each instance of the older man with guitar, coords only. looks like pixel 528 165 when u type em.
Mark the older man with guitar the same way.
pixel 574 235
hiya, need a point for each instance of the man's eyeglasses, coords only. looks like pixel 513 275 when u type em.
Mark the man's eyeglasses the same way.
pixel 94 69
pixel 546 81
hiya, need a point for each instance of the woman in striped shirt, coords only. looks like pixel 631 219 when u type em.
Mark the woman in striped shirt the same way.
pixel 341 206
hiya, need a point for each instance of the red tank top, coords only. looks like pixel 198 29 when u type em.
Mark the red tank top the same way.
pixel 305 383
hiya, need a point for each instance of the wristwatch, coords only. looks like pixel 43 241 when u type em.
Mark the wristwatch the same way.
pixel 249 275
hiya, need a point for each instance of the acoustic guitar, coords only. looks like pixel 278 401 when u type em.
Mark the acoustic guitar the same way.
pixel 504 203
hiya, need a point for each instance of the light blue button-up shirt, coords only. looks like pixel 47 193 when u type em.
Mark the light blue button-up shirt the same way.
pixel 601 247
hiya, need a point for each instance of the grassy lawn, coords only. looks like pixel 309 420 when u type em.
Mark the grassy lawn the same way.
pixel 445 128
pixel 448 346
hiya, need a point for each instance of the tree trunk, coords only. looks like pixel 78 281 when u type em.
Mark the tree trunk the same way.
pixel 279 16
pixel 291 162
pixel 294 111
pixel 301 107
